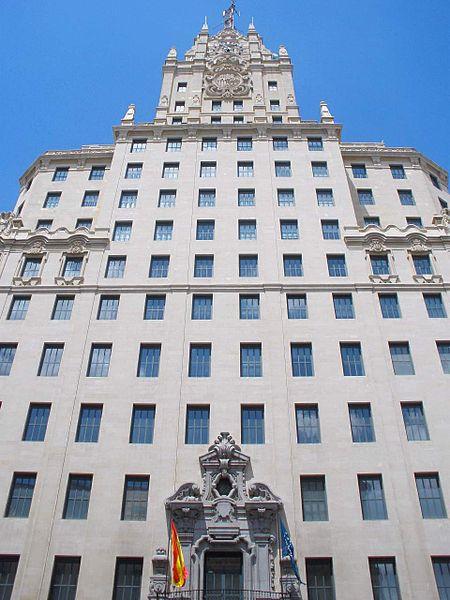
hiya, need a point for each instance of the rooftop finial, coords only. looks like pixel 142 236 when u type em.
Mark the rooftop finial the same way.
pixel 205 25
pixel 228 15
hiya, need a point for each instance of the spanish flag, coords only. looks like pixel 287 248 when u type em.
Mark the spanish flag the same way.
pixel 179 571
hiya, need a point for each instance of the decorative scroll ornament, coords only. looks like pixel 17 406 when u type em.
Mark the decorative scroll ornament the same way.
pixel 227 69
pixel 77 248
pixel 38 247
pixel 377 245
pixel 417 245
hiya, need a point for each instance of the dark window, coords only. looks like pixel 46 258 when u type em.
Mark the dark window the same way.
pixel 209 144
pixel 248 266
pixel 296 306
pixel 245 144
pixel 167 198
pixel 134 171
pixel 18 308
pixel 246 197
pixel 442 347
pixel 62 309
pixel 251 360
pixel 247 229
pixel 36 425
pixel 308 427
pixel 205 230
pixel 135 498
pixel 371 221
pixel 149 356
pixel 202 307
pixel 325 197
pixel 286 197
pixel 330 230
pixel 380 264
pixel 8 569
pixel 390 308
pixel 319 169
pixel 417 221
pixel 352 361
pixel 50 360
pixel 401 358
pixel 64 578
pixel 89 423
pixel 319 577
pixel 85 223
pixel 197 425
pixel 249 306
pixel 122 231
pixel 361 422
pixel 302 360
pixel 138 145
pixel 336 265
pixel 289 229
pixel 200 360
pixel 383 575
pixel 31 267
pixel 435 306
pixel 371 494
pixel 406 197
pixel 99 360
pixel 314 499
pixel 203 266
pixel 365 197
pixel 154 308
pixel 60 174
pixel 77 497
pixel 207 197
pixel 280 143
pixel 128 579
pixel 430 496
pixel 128 199
pixel 7 353
pixel 252 425
pixel 97 173
pixel 90 198
pixel 441 567
pixel 343 306
pixel 415 423
pixel 72 266
pixel 142 424
pixel 20 495
pixel 397 171
pixel 315 144
pixel 108 308
pixel 159 266
pixel 115 267
pixel 359 171
pixel 283 169
pixel 292 265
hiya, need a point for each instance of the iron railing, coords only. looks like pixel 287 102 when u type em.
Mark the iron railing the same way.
pixel 219 595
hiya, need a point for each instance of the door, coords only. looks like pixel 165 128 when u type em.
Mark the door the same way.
pixel 223 576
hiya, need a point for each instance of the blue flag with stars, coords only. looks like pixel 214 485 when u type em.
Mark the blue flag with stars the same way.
pixel 287 549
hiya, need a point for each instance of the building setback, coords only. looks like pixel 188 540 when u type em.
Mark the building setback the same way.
pixel 234 285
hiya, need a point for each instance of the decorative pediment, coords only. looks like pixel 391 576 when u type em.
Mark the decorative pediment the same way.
pixel 227 73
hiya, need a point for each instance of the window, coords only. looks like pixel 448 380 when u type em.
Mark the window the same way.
pixel 406 197
pixel 280 143
pixel 274 105
pixel 371 221
pixel 380 264
pixel 128 199
pixel 422 264
pixel 207 197
pixel 273 86
pixel 435 306
pixel 359 171
pixel 238 105
pixel 174 145
pixel 302 360
pixel 248 265
pixel 283 169
pixel 383 576
pixel 90 199
pixel 50 360
pixel 325 197
pixel 249 306
pixel 122 231
pixel 60 174
pixel 209 144
pixel 89 420
pixel 7 353
pixel 397 171
pixel 163 230
pixel 202 307
pixel 343 306
pixel 115 267
pixel 289 229
pixel 441 567
pixel 154 308
pixel 315 144
pixel 134 171
pixel 371 494
pixel 159 266
pixel 245 144
pixel 336 265
pixel 443 350
pixel 435 181
pixel 97 173
pixel 352 361
pixel 108 308
pixel 179 106
pixel 167 198
pixel 401 358
pixel 251 360
pixel 365 197
pixel 216 105
pixel 277 119
pixel 238 119
pixel 414 420
pixel 99 360
pixel 20 495
pixel 247 230
pixel 36 424
pixel 86 223
pixel 307 420
pixel 361 423
pixel 8 569
pixel 245 169
pixel 44 223
pixel 319 169
pixel 62 309
pixel 142 424
pixel 252 425
pixel 149 357
pixel 296 306
pixel 208 169
pixel 72 266
pixel 182 86
pixel 127 579
pixel 64 581
pixel 292 265
pixel 205 230
pixel 197 425
pixel 216 120
pixel 18 308
pixel 430 496
pixel 170 170
pixel 203 266
pixel 52 199
pixel 390 308
pixel 139 145
pixel 77 497
pixel 135 498
pixel 416 221
pixel 200 360
pixel 246 197
pixel 319 577
pixel 314 500
pixel 286 198
pixel 330 230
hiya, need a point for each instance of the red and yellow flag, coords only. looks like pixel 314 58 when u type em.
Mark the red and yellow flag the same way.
pixel 179 571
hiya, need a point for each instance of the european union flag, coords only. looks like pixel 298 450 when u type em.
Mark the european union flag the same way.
pixel 287 549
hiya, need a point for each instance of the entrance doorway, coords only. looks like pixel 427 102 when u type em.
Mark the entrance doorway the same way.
pixel 223 576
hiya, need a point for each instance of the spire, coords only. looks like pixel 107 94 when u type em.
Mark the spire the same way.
pixel 251 27
pixel 325 115
pixel 205 25
pixel 228 15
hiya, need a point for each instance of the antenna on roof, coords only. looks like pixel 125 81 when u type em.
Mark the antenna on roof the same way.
pixel 228 15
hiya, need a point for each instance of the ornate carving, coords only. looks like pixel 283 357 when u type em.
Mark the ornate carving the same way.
pixel 259 99
pixel 164 101
pixel 187 491
pixel 282 51
pixel 290 98
pixel 376 245
pixel 37 247
pixel 6 222
pixel 418 245
pixel 261 491
pixel 196 100
pixel 77 247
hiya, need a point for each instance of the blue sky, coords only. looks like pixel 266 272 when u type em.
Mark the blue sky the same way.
pixel 69 69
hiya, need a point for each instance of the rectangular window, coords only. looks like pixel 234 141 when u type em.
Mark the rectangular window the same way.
pixel 90 199
pixel 238 105
pixel 252 425
pixel 371 494
pixel 170 170
pixel 416 221
pixel 142 424
pixel 397 171
pixel 134 171
pixel 352 361
pixel 383 575
pixel 128 199
pixel 202 307
pixel 209 144
pixel 280 143
pixel 297 307
pixel 441 567
pixel 286 197
pixel 414 420
pixel 203 266
pixel 62 309
pixel 274 105
pixel 139 145
pixel 20 495
pixel 319 169
pixel 159 266
pixel 97 173
pixel 361 423
pixel 343 306
pixel 179 106
pixel 422 264
pixel 302 360
pixel 249 306
pixel 277 119
pixel 108 308
pixel 207 197
pixel 251 360
pixel 406 197
pixel 99 360
pixel 325 197
pixel 292 265
pixel 7 353
pixel 128 579
pixel 308 426
pixel 401 358
pixel 245 169
pixel 77 497
pixel 244 144
pixel 330 230
pixel 154 308
pixel 149 357
pixel 205 230
pixel 64 581
pixel 135 498
pixel 50 360
pixel 371 221
pixel 289 229
pixel 442 347
pixel 208 169
pixel 18 308
pixel 44 223
pixel 283 169
pixel 248 265
pixel 273 86
pixel 380 264
pixel 72 266
pixel 430 496
pixel 36 424
pixel 89 420
pixel 167 198
pixel 336 265
pixel 216 120
pixel 200 360
pixel 435 181
pixel 83 223
pixel 365 197
pixel 314 499
pixel 197 425
pixel 390 308
pixel 359 171
pixel 246 198
pixel 163 230
pixel 319 578
pixel 52 200
pixel 247 230
pixel 216 105
pixel 115 267
pixel 315 144
pixel 182 86
pixel 60 174
pixel 8 569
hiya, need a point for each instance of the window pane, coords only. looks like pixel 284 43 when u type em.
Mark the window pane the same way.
pixel 365 197
pixel 293 266
pixel 50 360
pixel 77 497
pixel 149 357
pixel 251 360
pixel 435 306
pixel 422 264
pixel 430 496
pixel 154 308
pixel 248 266
pixel 127 579
pixel 201 307
pixel 133 171
pixel 302 360
pixel 390 308
pixel 443 350
pixel 406 197
pixel 286 197
pixel 20 495
pixel 163 230
pixel 135 497
pixel 8 569
pixel 289 229
pixel 372 497
pixel 60 173
pixel 297 307
pixel 308 428
pixel 200 360
pixel 336 265
pixel 122 231
pixel 115 267
pixel 89 423
pixel 7 353
pixel 249 306
pixel 167 198
pixel 142 424
pixel 319 577
pixel 244 144
pixel 361 423
pixel 246 198
pixel 208 169
pixel 401 358
pixel 343 306
pixel 64 578
pixel 207 198
pixel 36 425
pixel 252 425
pixel 31 267
pixel 52 200
pixel 415 423
pixel 280 143
pixel 97 173
pixel 380 264
pixel 197 425
pixel 319 169
pixel 205 230
pixel 283 169
pixel 330 230
pixel 128 199
pixel 314 501
pixel 99 360
pixel 325 197
pixel 384 579
pixel 247 230
pixel 90 199
pixel 62 310
pixel 72 266
pixel 159 266
pixel 108 308
pixel 397 171
pixel 359 171
pixel 352 362
pixel 441 567
pixel 315 144
pixel 19 308
pixel 203 266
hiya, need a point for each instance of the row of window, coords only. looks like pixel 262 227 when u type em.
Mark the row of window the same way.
pixel 251 364
pixel 96 174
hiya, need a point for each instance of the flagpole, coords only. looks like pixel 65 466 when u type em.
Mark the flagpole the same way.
pixel 279 552
pixel 168 561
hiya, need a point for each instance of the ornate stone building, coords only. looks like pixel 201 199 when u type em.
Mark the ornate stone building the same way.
pixel 227 267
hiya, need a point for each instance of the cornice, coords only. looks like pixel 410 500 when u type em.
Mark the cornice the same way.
pixel 397 237
pixel 56 239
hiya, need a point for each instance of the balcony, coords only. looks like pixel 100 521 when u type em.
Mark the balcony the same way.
pixel 219 595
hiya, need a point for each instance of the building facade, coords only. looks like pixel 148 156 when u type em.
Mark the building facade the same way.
pixel 230 283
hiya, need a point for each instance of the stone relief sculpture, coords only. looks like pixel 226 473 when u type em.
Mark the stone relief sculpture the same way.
pixel 227 72
pixel 8 222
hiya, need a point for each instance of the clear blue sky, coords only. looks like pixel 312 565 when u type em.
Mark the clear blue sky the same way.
pixel 69 69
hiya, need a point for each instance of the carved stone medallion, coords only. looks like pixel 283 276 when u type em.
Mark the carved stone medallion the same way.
pixel 227 69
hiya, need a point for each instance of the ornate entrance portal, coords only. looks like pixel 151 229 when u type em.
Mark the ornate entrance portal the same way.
pixel 223 576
